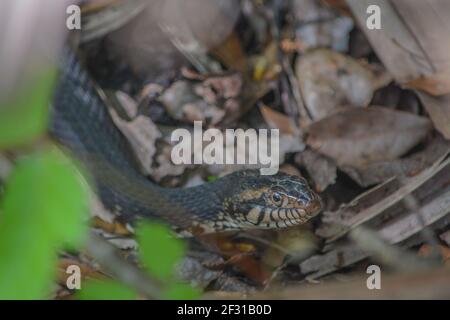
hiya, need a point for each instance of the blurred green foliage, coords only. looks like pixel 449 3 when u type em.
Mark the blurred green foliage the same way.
pixel 43 208
pixel 44 203
pixel 181 291
pixel 160 252
pixel 106 290
pixel 24 116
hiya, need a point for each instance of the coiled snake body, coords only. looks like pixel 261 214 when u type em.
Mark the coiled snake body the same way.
pixel 245 199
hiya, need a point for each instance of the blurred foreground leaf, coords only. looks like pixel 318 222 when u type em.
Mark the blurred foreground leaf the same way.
pixel 159 250
pixel 25 116
pixel 106 290
pixel 44 206
pixel 181 291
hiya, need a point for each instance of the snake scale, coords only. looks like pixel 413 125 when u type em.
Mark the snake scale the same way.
pixel 241 200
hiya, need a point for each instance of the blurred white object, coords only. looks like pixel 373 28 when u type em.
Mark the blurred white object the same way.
pixel 31 34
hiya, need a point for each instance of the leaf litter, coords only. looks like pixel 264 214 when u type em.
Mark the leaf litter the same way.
pixel 299 74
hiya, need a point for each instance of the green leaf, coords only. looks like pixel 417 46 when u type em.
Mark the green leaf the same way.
pixel 25 116
pixel 159 250
pixel 106 290
pixel 44 205
pixel 181 291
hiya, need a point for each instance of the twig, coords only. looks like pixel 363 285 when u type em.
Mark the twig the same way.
pixel 412 205
pixel 294 105
pixel 107 256
pixel 387 254
pixel 409 186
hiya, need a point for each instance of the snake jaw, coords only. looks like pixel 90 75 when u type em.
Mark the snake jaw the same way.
pixel 270 218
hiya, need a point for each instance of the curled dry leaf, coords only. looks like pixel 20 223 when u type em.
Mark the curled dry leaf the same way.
pixel 436 85
pixel 142 133
pixel 163 166
pixel 359 136
pixel 329 80
pixel 206 101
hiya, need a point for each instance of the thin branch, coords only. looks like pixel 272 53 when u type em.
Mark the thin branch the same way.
pixel 107 256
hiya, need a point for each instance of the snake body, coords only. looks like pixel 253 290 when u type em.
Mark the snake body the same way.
pixel 241 200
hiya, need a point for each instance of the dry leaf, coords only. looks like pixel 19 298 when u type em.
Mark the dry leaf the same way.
pixel 321 169
pixel 359 136
pixel 436 85
pixel 412 45
pixel 231 53
pixel 169 31
pixel 329 80
pixel 278 120
pixel 200 268
pixel 142 134
pixel 115 227
pixel 87 271
pixel 378 172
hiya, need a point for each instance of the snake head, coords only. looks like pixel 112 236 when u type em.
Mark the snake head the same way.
pixel 265 202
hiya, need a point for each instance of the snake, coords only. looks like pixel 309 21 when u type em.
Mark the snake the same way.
pixel 82 125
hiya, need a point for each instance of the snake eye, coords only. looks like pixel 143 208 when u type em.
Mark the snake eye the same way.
pixel 276 198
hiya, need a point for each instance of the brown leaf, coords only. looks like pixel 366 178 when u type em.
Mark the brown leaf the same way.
pixel 329 80
pixel 86 270
pixel 251 267
pixel 231 53
pixel 436 85
pixel 359 136
pixel 278 120
pixel 142 133
pixel 416 30
pixel 321 169
pixel 378 172
pixel 168 31
pixel 115 227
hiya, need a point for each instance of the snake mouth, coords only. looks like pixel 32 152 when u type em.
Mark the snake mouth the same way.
pixel 282 217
